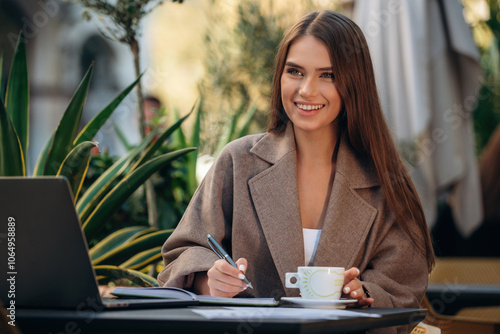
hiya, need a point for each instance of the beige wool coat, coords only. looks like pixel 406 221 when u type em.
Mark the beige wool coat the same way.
pixel 249 202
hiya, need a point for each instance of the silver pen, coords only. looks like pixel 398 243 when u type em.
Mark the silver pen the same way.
pixel 224 255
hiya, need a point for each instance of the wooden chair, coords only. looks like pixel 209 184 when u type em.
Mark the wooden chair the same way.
pixel 475 271
pixel 458 324
pixel 469 320
pixel 466 270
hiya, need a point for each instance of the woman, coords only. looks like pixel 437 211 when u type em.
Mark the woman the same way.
pixel 324 186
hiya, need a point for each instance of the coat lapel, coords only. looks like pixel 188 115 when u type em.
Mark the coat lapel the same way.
pixel 275 197
pixel 348 218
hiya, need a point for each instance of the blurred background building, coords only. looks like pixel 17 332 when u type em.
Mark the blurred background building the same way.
pixel 61 46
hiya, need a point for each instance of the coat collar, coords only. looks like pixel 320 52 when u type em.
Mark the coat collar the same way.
pixel 359 172
pixel 273 147
pixel 274 193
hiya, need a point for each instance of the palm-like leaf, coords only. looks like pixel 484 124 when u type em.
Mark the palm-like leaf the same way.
pixel 178 139
pixel 11 154
pixel 117 239
pixel 2 90
pixel 126 251
pixel 154 146
pixel 100 188
pixel 250 113
pixel 143 259
pixel 110 273
pixel 17 95
pixel 42 157
pixel 62 142
pixel 123 139
pixel 229 130
pixel 90 130
pixel 114 199
pixel 193 157
pixel 76 164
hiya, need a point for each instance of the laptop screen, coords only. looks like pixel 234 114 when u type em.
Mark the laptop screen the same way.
pixel 42 246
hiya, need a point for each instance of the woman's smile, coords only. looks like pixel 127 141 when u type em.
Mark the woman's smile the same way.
pixel 308 110
pixel 309 106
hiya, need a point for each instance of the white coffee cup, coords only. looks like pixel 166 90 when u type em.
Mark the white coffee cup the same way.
pixel 318 282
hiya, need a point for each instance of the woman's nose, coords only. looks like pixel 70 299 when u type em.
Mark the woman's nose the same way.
pixel 308 87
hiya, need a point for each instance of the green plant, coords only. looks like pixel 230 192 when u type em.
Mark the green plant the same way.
pixel 68 152
pixel 486 31
pixel 237 126
pixel 238 66
pixel 176 183
pixel 232 130
pixel 121 21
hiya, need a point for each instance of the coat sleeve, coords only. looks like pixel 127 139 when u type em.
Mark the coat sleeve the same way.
pixel 396 275
pixel 186 251
pixel 393 269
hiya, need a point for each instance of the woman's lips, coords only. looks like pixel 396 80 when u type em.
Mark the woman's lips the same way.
pixel 308 110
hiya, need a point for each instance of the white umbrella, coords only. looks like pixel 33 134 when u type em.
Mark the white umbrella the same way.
pixel 429 79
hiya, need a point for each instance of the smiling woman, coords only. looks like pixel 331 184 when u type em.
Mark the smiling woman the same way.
pixel 327 163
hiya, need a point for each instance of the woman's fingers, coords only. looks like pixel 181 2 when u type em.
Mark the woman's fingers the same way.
pixel 365 301
pixel 242 265
pixel 353 288
pixel 357 293
pixel 226 273
pixel 222 289
pixel 351 274
pixel 351 283
pixel 224 280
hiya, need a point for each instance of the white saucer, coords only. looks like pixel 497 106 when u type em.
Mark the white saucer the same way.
pixel 319 303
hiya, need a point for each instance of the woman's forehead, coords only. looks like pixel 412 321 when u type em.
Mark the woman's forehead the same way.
pixel 309 51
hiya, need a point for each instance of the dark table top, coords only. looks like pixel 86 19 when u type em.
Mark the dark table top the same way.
pixel 184 320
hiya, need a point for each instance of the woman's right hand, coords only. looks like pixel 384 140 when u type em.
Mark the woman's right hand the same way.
pixel 224 280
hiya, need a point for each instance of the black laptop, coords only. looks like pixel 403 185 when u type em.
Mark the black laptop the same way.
pixel 44 257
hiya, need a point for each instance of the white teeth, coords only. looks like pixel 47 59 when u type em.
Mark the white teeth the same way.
pixel 309 106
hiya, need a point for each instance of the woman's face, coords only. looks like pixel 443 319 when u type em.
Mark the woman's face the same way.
pixel 308 90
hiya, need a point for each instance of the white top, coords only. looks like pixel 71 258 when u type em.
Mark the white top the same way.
pixel 311 238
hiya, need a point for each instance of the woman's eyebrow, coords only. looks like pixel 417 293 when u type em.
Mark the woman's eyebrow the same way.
pixel 292 64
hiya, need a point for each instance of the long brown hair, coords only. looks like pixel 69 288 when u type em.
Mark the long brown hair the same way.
pixel 361 117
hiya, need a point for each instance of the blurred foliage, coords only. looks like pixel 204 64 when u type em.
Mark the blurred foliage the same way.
pixel 238 65
pixel 170 184
pixel 174 184
pixel 484 18
pixel 120 19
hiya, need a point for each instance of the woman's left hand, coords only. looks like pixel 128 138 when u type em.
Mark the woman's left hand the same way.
pixel 353 289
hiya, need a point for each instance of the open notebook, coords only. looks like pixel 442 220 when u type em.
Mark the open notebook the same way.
pixel 176 293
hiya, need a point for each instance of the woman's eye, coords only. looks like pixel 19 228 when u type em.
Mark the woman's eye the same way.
pixel 293 71
pixel 328 75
